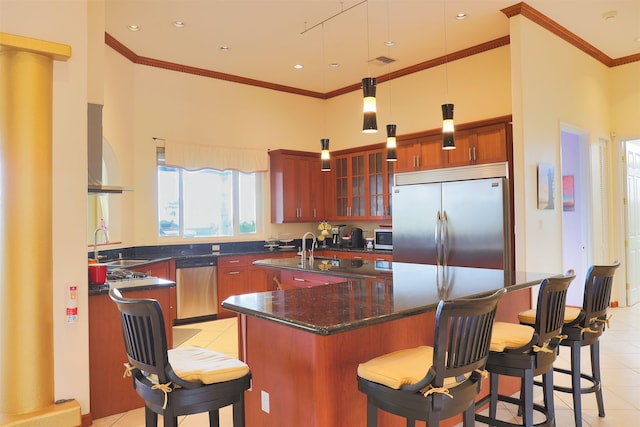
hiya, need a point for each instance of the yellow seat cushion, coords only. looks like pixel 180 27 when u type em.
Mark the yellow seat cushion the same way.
pixel 509 336
pixel 398 368
pixel 402 367
pixel 528 317
pixel 207 366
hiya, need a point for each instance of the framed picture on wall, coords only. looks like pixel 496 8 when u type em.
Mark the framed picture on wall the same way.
pixel 568 194
pixel 546 177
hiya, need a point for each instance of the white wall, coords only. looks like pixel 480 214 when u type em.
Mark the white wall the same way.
pixel 553 83
pixel 64 22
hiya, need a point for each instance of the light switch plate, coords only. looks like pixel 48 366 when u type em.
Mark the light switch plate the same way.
pixel 264 398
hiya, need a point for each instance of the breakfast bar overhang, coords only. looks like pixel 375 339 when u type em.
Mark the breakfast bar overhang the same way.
pixel 304 345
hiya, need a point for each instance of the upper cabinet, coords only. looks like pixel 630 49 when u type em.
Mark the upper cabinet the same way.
pixel 486 144
pixel 297 187
pixel 362 186
pixel 420 153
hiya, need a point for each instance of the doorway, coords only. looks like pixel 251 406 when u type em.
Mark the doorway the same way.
pixel 632 220
pixel 577 199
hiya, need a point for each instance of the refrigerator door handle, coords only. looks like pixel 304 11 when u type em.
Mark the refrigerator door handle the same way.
pixel 445 238
pixel 438 237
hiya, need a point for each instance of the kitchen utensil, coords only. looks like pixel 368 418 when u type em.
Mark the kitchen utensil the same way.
pixel 97 274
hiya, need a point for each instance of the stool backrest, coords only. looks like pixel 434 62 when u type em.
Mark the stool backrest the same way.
pixel 463 335
pixel 145 339
pixel 552 300
pixel 597 292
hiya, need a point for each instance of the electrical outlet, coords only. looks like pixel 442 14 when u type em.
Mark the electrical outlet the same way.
pixel 215 248
pixel 264 398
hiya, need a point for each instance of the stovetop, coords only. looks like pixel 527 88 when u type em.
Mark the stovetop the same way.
pixel 120 274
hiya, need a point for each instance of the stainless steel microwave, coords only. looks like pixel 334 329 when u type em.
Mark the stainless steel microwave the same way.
pixel 383 238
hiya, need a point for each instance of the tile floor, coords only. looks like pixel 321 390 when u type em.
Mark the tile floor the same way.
pixel 620 364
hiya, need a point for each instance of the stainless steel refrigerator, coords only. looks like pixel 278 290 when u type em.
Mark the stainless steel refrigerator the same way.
pixel 455 216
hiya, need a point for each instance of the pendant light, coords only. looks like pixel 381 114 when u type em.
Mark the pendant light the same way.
pixel 392 156
pixel 391 143
pixel 370 123
pixel 325 158
pixel 448 142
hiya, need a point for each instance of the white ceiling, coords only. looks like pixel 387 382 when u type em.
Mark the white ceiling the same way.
pixel 266 38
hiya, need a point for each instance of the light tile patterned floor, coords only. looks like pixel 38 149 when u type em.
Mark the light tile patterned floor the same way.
pixel 620 354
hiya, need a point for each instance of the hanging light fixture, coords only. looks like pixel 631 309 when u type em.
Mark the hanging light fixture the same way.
pixel 448 142
pixel 370 124
pixel 391 143
pixel 325 158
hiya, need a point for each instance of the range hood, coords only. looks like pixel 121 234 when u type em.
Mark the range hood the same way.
pixel 94 152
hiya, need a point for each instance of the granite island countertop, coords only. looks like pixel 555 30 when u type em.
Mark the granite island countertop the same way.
pixel 131 285
pixel 369 296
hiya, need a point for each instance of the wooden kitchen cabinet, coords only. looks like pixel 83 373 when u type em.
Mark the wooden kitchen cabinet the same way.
pixel 485 144
pixel 420 153
pixel 237 275
pixel 363 182
pixel 232 279
pixel 297 187
pixel 110 393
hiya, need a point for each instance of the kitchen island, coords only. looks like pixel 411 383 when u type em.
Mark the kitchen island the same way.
pixel 304 344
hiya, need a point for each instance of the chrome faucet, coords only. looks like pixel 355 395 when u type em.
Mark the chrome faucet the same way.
pixel 95 240
pixel 303 254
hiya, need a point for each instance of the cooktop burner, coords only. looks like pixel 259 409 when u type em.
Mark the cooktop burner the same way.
pixel 122 274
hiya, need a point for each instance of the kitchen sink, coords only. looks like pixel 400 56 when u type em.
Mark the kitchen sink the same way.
pixel 126 262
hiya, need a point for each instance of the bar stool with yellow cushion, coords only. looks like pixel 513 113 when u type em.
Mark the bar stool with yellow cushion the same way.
pixel 525 352
pixel 434 383
pixel 180 381
pixel 582 327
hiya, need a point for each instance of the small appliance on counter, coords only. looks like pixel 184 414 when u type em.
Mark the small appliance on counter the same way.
pixel 337 232
pixel 357 242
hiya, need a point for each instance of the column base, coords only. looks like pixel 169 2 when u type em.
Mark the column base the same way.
pixel 65 414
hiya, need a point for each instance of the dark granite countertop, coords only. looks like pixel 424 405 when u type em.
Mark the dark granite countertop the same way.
pixel 131 285
pixel 333 266
pixel 370 298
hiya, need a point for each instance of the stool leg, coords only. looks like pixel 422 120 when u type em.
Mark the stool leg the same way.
pixel 595 369
pixel 575 382
pixel 372 414
pixel 238 412
pixel 150 418
pixel 214 418
pixel 547 389
pixel 493 393
pixel 526 398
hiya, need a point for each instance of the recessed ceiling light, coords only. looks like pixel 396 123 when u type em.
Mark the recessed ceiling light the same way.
pixel 389 43
pixel 637 39
pixel 461 16
pixel 298 67
pixel 134 27
pixel 179 24
pixel 334 65
pixel 609 15
pixel 224 48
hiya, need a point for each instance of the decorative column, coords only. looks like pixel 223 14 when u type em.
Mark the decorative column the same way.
pixel 26 266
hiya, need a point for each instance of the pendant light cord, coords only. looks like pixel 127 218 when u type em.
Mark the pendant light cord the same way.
pixel 446 57
pixel 368 44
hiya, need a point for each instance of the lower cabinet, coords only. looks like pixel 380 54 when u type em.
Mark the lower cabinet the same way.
pixel 237 275
pixel 110 393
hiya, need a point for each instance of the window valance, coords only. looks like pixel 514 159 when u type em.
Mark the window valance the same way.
pixel 200 156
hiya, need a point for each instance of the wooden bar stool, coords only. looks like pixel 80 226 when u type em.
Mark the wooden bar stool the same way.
pixel 525 352
pixel 434 383
pixel 584 327
pixel 180 381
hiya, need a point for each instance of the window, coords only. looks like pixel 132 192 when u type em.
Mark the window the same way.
pixel 207 203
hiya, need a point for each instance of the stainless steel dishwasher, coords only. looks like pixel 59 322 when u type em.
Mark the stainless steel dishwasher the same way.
pixel 196 288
